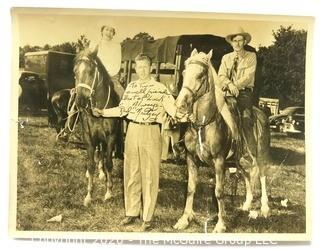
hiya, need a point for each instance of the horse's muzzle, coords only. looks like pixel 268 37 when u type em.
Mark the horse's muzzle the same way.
pixel 82 101
pixel 184 104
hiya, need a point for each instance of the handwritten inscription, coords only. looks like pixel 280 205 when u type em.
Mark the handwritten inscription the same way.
pixel 143 102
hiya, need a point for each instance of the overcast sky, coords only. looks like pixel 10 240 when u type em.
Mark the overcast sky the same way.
pixel 55 26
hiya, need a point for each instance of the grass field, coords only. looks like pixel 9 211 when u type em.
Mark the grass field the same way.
pixel 51 181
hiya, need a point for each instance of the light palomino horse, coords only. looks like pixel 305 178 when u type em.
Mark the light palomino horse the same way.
pixel 208 139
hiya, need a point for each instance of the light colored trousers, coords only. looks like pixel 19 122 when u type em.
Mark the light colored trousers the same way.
pixel 141 169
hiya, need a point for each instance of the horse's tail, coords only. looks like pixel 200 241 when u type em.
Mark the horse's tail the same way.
pixel 53 110
pixel 262 135
pixel 59 102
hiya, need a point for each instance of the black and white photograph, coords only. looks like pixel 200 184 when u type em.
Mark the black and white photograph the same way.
pixel 138 123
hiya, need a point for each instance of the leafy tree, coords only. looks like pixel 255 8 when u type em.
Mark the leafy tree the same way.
pixel 140 36
pixel 24 50
pixel 82 43
pixel 282 67
pixel 46 47
pixel 143 36
pixel 67 47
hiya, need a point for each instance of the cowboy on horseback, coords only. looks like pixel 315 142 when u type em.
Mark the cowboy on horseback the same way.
pixel 236 75
pixel 209 136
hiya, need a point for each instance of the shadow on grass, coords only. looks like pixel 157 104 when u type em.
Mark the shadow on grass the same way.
pixel 281 219
pixel 173 194
pixel 286 156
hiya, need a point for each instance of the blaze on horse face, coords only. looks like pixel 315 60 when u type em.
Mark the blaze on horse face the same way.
pixel 194 78
pixel 85 70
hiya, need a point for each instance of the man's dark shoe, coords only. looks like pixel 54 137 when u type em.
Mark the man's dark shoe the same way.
pixel 128 220
pixel 146 226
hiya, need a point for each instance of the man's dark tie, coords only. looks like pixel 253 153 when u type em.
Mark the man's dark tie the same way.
pixel 235 63
pixel 233 73
pixel 234 68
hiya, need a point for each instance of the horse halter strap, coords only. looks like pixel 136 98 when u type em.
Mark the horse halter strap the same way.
pixel 92 88
pixel 202 64
pixel 86 86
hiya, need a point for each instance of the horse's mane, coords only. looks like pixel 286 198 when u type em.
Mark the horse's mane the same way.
pixel 86 53
pixel 214 75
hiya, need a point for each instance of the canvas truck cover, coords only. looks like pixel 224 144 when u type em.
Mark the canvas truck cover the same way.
pixel 56 68
pixel 160 50
pixel 165 49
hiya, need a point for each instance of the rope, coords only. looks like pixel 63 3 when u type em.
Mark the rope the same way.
pixel 75 122
pixel 71 110
pixel 109 93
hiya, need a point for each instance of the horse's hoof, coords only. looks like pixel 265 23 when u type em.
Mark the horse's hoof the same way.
pixel 246 206
pixel 107 196
pixel 87 174
pixel 265 211
pixel 102 176
pixel 219 228
pixel 181 224
pixel 87 201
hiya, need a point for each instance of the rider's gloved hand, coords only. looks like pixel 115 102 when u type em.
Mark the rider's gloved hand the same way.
pixel 179 115
pixel 191 118
pixel 233 89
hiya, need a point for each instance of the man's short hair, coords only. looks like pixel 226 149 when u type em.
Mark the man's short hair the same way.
pixel 106 26
pixel 143 57
pixel 234 36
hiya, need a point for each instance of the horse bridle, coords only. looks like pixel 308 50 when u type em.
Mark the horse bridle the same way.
pixel 194 92
pixel 94 84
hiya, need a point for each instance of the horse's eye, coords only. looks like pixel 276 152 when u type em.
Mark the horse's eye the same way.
pixel 199 76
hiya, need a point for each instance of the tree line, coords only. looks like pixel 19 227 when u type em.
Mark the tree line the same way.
pixel 280 71
pixel 281 67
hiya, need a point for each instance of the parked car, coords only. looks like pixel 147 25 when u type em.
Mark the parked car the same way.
pixel 33 95
pixel 277 122
pixel 294 124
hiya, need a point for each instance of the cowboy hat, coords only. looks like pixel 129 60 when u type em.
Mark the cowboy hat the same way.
pixel 239 31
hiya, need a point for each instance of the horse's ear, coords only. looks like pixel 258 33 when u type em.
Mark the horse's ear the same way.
pixel 194 52
pixel 209 55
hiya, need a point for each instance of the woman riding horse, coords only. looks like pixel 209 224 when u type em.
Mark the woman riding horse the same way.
pixel 208 138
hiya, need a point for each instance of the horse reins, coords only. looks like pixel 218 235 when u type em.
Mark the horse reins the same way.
pixel 73 92
pixel 92 88
pixel 206 67
pixel 194 93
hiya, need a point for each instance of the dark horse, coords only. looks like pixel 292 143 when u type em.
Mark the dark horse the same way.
pixel 94 89
pixel 59 102
pixel 208 139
